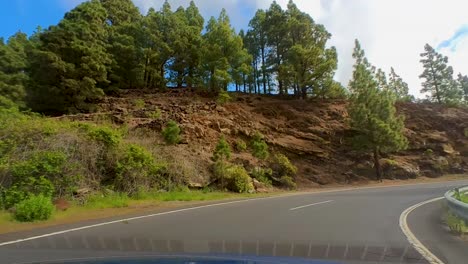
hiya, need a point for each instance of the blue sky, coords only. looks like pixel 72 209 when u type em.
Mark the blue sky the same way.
pixel 392 32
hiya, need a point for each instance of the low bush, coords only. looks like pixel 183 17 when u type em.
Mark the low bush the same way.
pixel 241 146
pixel 455 224
pixel 171 133
pixel 107 136
pixel 35 208
pixel 262 175
pixel 139 104
pixel 429 152
pixel 239 180
pixel 288 182
pixel 24 189
pixel 136 167
pixel 222 150
pixel 259 146
pixel 156 114
pixel 282 166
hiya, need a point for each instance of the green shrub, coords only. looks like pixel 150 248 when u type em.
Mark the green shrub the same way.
pixel 139 103
pixel 283 166
pixel 288 182
pixel 259 146
pixel 109 137
pixel 222 150
pixel 35 208
pixel 234 178
pixel 156 114
pixel 262 175
pixel 223 97
pixel 239 180
pixel 27 187
pixel 429 152
pixel 241 146
pixel 171 133
pixel 465 131
pixel 455 224
pixel 136 167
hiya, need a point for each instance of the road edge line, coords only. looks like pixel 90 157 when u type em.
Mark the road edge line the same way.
pixel 412 239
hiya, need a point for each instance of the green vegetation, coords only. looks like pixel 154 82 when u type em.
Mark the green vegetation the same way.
pixel 455 224
pixel 156 114
pixel 241 146
pixel 34 208
pixel 222 150
pixel 259 146
pixel 372 111
pixel 223 97
pixel 262 175
pixel 232 177
pixel 283 166
pixel 139 104
pixel 429 152
pixel 171 133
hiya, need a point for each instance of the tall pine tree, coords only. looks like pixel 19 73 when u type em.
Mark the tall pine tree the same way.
pixel 372 113
pixel 71 62
pixel 438 76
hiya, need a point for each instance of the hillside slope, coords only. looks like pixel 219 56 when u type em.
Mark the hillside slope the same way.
pixel 313 134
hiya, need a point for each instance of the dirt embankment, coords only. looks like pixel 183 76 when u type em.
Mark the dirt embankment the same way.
pixel 313 134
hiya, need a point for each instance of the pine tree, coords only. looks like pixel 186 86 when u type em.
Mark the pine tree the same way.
pixel 13 66
pixel 439 82
pixel 372 112
pixel 463 86
pixel 71 62
pixel 399 87
pixel 125 41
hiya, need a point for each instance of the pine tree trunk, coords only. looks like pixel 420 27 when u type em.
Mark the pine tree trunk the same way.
pixel 378 169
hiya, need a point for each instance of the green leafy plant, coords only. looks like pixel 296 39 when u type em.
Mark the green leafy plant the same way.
pixel 27 187
pixel 241 146
pixel 222 150
pixel 259 146
pixel 455 224
pixel 109 137
pixel 156 114
pixel 240 180
pixel 171 133
pixel 35 208
pixel 283 166
pixel 139 103
pixel 223 97
pixel 429 152
pixel 288 182
pixel 263 175
pixel 136 167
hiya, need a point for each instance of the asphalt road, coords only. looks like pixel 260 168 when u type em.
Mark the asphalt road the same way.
pixel 352 226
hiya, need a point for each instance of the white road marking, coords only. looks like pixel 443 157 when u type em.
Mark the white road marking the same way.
pixel 425 252
pixel 220 204
pixel 308 205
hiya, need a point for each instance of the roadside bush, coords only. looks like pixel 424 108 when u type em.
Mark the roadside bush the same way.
pixel 239 180
pixel 35 208
pixel 222 150
pixel 282 166
pixel 288 182
pixel 24 189
pixel 107 136
pixel 259 146
pixel 223 97
pixel 171 133
pixel 241 146
pixel 262 175
pixel 455 224
pixel 136 167
pixel 234 178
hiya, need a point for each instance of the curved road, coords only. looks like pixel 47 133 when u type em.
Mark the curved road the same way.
pixel 347 226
